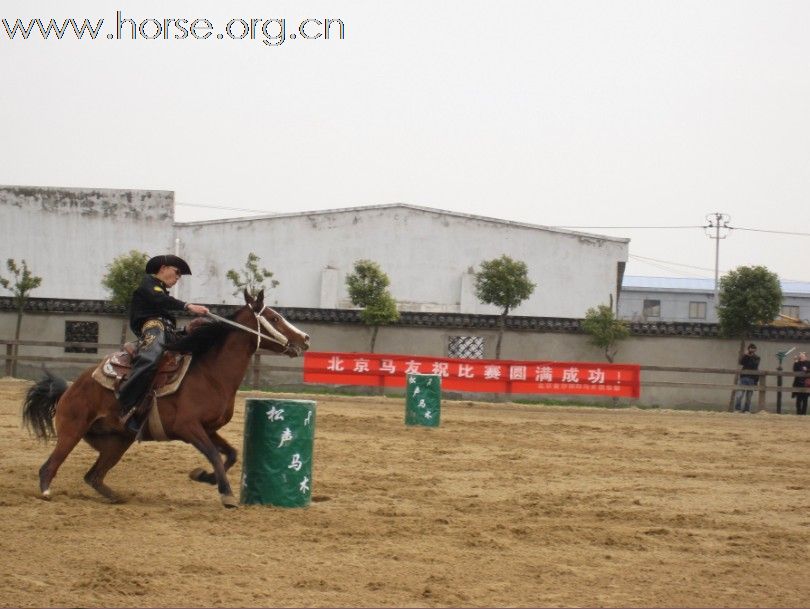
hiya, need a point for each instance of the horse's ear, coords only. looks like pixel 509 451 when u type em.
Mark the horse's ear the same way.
pixel 248 297
pixel 260 300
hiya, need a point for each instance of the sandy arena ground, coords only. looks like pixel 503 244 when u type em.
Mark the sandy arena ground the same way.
pixel 503 505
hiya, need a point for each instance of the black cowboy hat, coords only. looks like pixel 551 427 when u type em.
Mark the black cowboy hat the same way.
pixel 154 264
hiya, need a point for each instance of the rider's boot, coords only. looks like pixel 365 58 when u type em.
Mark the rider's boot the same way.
pixel 133 423
pixel 134 419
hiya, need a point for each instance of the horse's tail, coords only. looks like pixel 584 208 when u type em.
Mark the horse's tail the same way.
pixel 40 405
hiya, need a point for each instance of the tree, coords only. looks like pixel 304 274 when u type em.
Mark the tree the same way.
pixel 503 282
pixel 749 296
pixel 368 289
pixel 251 277
pixel 20 286
pixel 124 275
pixel 605 330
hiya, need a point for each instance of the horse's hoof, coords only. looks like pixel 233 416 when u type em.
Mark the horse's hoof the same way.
pixel 46 495
pixel 229 501
pixel 200 475
pixel 197 474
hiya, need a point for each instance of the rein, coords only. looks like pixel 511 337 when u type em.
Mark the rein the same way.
pixel 275 336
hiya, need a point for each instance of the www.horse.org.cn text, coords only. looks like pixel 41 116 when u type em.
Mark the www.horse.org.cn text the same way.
pixel 270 32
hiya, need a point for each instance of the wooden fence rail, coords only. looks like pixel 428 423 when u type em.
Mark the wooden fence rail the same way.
pixel 254 372
pixel 783 378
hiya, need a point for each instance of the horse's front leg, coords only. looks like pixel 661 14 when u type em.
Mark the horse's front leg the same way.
pixel 199 438
pixel 228 451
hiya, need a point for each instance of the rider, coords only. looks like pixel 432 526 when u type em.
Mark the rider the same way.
pixel 151 320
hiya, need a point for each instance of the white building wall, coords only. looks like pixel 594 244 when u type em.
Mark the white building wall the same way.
pixel 428 255
pixel 68 236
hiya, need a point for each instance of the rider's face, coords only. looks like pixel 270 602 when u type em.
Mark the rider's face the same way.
pixel 168 275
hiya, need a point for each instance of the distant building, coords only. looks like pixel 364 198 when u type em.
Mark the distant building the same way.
pixel 429 255
pixel 68 236
pixel 692 300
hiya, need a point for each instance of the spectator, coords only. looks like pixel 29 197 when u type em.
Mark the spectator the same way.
pixel 800 364
pixel 748 361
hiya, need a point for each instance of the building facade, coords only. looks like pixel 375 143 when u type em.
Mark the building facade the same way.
pixel 69 236
pixel 430 256
pixel 692 300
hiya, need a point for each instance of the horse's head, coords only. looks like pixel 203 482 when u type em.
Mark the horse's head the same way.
pixel 278 334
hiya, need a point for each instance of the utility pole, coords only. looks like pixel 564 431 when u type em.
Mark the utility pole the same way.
pixel 717 221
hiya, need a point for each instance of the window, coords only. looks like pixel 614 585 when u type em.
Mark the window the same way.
pixel 652 308
pixel 81 332
pixel 697 310
pixel 466 347
pixel 790 311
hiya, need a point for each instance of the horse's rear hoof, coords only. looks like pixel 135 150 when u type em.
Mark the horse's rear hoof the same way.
pixel 229 501
pixel 198 474
pixel 46 495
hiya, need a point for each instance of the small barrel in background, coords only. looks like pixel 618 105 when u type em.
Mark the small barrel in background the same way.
pixel 277 452
pixel 423 399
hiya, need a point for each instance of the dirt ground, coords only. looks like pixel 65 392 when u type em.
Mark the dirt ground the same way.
pixel 502 505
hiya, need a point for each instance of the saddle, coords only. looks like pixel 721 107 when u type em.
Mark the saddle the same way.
pixel 171 370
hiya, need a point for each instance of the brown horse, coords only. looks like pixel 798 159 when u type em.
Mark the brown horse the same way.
pixel 221 352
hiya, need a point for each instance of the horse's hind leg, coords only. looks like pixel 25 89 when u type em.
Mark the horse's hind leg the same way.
pixel 110 447
pixel 228 451
pixel 70 431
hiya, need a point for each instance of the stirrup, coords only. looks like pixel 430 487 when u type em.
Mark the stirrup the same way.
pixel 127 416
pixel 132 425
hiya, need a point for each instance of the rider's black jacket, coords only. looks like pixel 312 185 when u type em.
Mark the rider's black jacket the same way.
pixel 152 300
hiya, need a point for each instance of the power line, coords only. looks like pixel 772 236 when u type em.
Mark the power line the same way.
pixel 676 227
pixel 664 267
pixel 710 225
pixel 625 227
pixel 647 259
pixel 257 211
pixel 763 230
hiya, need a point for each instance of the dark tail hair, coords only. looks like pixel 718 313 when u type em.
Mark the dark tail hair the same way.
pixel 40 405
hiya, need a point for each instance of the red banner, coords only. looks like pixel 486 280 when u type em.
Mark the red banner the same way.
pixel 480 376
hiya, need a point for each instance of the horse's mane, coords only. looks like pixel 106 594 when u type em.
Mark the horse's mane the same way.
pixel 203 338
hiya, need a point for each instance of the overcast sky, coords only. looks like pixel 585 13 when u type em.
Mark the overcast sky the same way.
pixel 558 113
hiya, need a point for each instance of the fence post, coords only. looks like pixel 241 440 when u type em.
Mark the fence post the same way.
pixel 9 352
pixel 779 388
pixel 733 398
pixel 763 383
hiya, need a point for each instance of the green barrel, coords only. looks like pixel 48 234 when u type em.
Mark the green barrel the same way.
pixel 423 399
pixel 277 452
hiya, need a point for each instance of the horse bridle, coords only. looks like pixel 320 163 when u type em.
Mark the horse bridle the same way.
pixel 274 335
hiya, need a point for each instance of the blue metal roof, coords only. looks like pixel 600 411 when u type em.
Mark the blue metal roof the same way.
pixel 700 284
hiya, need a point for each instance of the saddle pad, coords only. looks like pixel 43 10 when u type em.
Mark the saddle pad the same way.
pixel 165 383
